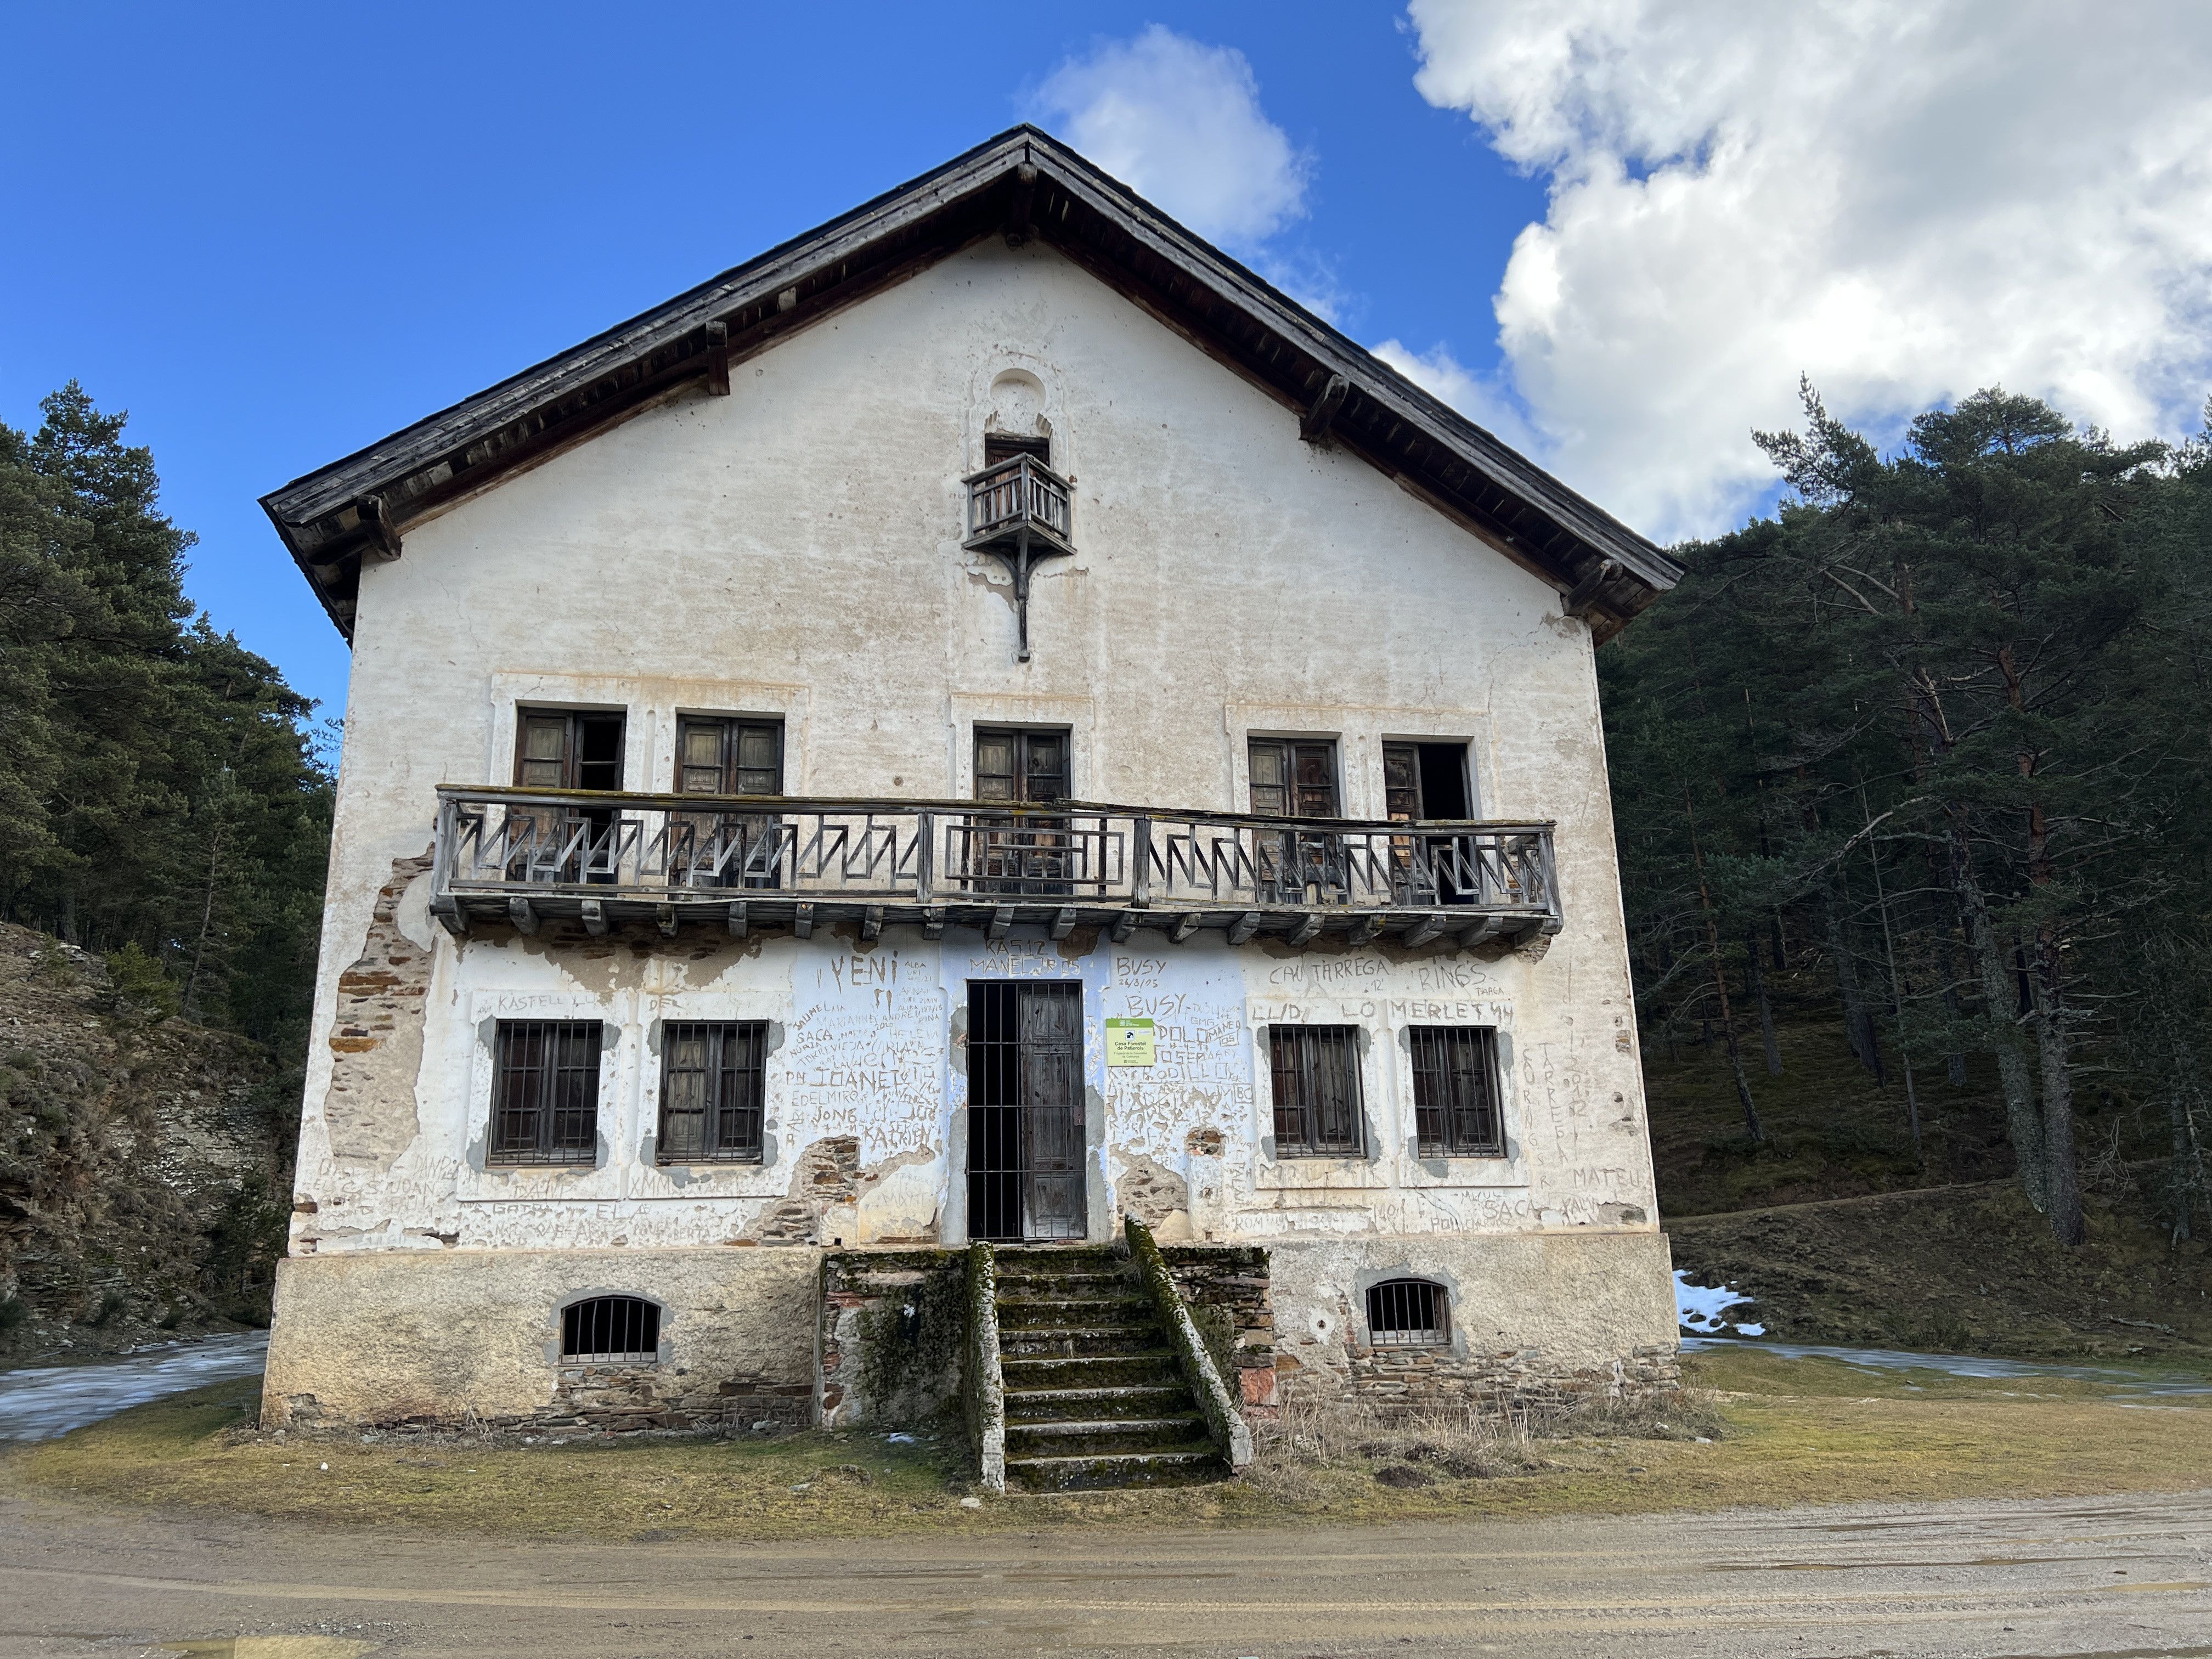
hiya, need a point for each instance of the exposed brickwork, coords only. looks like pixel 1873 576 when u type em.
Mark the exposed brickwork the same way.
pixel 1233 1281
pixel 827 1174
pixel 376 1031
pixel 893 1335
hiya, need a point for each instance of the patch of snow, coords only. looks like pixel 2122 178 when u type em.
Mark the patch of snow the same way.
pixel 36 1404
pixel 1704 1309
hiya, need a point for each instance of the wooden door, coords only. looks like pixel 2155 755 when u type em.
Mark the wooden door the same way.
pixel 1025 1143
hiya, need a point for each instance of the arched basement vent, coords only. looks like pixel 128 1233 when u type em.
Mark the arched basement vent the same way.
pixel 609 1327
pixel 1408 1313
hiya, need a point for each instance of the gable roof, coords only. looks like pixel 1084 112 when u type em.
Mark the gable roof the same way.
pixel 1022 183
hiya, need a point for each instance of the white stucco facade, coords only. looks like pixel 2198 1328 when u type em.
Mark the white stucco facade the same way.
pixel 793 551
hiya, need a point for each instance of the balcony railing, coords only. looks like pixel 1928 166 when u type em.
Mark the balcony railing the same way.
pixel 745 861
pixel 1016 496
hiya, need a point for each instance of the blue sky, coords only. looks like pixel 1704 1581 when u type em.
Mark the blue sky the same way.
pixel 1615 231
pixel 274 234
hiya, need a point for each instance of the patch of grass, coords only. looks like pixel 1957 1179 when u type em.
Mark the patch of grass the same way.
pixel 1784 1432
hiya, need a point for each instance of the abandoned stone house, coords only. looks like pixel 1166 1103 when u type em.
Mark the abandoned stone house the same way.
pixel 985 722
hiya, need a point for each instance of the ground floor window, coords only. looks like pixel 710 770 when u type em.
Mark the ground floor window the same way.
pixel 607 1328
pixel 1408 1313
pixel 711 1083
pixel 1456 1091
pixel 546 1092
pixel 1316 1087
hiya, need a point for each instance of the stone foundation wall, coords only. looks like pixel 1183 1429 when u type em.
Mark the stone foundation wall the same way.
pixel 448 1338
pixel 1536 1320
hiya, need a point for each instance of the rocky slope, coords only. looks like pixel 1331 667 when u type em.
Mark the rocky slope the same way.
pixel 145 1163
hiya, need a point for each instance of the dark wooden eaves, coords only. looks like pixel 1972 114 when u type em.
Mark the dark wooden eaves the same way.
pixel 1022 183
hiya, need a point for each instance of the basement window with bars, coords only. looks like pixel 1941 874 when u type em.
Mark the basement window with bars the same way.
pixel 610 1329
pixel 546 1092
pixel 1408 1313
pixel 711 1082
pixel 1456 1091
pixel 1315 1074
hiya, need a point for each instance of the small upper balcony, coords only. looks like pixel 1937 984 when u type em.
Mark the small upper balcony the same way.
pixel 742 862
pixel 1019 503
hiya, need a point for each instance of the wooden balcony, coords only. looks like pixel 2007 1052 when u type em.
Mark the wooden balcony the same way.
pixel 747 862
pixel 1020 503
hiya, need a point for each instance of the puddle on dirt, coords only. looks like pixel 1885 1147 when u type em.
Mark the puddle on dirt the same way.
pixel 39 1403
pixel 272 1647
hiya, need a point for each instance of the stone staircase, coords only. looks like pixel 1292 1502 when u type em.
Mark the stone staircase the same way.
pixel 1094 1394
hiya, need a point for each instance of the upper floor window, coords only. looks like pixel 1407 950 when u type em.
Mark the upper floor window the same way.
pixel 1425 781
pixel 1293 777
pixel 711 1088
pixel 1456 1091
pixel 1022 765
pixel 1004 446
pixel 546 1092
pixel 721 756
pixel 1315 1073
pixel 567 749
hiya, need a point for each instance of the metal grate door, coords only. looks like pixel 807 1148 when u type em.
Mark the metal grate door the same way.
pixel 1025 1178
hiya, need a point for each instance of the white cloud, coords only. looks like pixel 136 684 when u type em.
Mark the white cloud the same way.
pixel 1907 199
pixel 1481 397
pixel 1180 124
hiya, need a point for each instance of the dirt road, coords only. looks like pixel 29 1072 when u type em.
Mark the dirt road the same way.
pixel 2116 1577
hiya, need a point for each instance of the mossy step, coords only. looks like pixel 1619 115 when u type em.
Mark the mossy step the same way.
pixel 1109 1437
pixel 1148 1367
pixel 1074 1316
pixel 1059 1405
pixel 1158 1468
pixel 1077 1341
pixel 1037 1285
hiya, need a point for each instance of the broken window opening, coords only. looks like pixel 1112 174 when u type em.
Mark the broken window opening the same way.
pixel 1456 1091
pixel 712 1091
pixel 1004 446
pixel 1429 781
pixel 546 1092
pixel 1408 1313
pixel 611 1329
pixel 1316 1070
pixel 1025 1164
pixel 567 749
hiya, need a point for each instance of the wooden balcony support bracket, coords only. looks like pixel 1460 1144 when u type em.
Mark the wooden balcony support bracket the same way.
pixel 595 917
pixel 1063 921
pixel 1304 933
pixel 1124 925
pixel 872 922
pixel 718 360
pixel 1317 420
pixel 450 917
pixel 665 915
pixel 933 923
pixel 520 912
pixel 1422 932
pixel 1002 918
pixel 1244 926
pixel 1368 931
pixel 1481 934
pixel 1186 925
pixel 802 921
pixel 736 919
